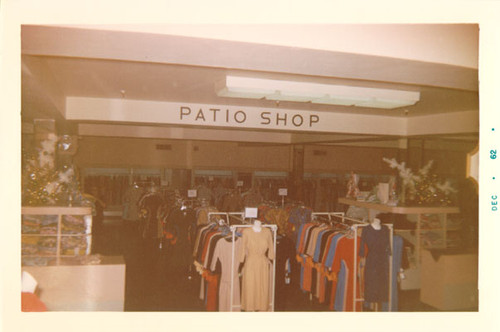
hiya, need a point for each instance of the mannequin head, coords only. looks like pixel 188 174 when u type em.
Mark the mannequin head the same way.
pixel 257 225
pixel 376 223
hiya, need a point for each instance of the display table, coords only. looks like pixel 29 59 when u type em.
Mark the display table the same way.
pixel 449 281
pixel 69 285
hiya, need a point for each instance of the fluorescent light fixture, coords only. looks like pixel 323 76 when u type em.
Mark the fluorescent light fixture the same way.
pixel 290 96
pixel 257 88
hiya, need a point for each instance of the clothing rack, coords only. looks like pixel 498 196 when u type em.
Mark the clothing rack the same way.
pixel 391 233
pixel 239 216
pixel 143 182
pixel 233 229
pixel 223 214
pixel 347 220
pixel 329 215
pixel 233 214
pixel 191 203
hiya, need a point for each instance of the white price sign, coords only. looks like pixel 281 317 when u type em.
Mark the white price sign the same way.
pixel 192 193
pixel 239 184
pixel 283 191
pixel 251 212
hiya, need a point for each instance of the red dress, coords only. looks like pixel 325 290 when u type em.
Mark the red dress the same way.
pixel 345 253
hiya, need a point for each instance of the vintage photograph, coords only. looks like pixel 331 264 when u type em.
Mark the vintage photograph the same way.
pixel 250 168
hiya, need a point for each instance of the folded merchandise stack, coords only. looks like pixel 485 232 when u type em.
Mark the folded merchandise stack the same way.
pixel 73 225
pixel 47 245
pixel 29 245
pixel 74 245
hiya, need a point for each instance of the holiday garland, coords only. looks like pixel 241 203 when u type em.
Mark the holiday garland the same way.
pixel 45 185
pixel 422 188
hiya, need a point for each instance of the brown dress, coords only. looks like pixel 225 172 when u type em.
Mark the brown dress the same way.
pixel 256 287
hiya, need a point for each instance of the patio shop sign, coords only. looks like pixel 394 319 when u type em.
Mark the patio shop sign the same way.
pixel 124 111
pixel 224 116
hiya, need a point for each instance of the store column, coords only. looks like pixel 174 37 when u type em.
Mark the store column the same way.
pixel 297 175
pixel 416 153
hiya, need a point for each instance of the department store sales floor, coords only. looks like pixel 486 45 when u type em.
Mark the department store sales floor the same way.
pixel 152 286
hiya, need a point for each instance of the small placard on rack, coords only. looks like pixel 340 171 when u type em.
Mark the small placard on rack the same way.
pixel 283 192
pixel 251 212
pixel 239 183
pixel 192 193
pixel 210 178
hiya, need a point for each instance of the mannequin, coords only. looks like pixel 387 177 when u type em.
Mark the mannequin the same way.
pixel 257 226
pixel 257 252
pixel 376 238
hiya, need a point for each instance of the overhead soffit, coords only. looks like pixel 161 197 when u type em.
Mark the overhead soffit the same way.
pixel 452 44
pixel 105 66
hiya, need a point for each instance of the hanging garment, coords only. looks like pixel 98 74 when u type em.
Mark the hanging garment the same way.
pixel 285 255
pixel 181 223
pixel 300 215
pixel 280 218
pixel 397 253
pixel 204 193
pixel 345 259
pixel 151 203
pixel 256 271
pixel 376 276
pixel 252 199
pixel 203 254
pixel 203 233
pixel 202 214
pixel 320 245
pixel 130 201
pixel 223 253
pixel 200 235
pixel 327 279
pixel 232 203
pixel 211 296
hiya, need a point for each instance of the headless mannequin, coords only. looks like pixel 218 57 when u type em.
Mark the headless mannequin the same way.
pixel 257 226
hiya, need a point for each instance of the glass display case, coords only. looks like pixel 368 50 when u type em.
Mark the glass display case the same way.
pixel 48 233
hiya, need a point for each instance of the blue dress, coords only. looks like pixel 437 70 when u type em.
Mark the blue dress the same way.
pixel 376 283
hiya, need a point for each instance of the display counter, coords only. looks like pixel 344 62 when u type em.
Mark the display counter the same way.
pixel 449 280
pixel 87 283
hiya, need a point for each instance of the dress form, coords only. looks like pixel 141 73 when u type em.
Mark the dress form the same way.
pixel 376 224
pixel 257 226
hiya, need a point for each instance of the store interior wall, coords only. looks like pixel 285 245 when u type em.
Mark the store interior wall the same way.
pixel 117 152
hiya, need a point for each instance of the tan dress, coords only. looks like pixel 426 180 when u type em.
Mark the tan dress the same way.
pixel 223 252
pixel 256 288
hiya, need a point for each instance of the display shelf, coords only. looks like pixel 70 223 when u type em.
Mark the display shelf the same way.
pixel 400 209
pixel 49 233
